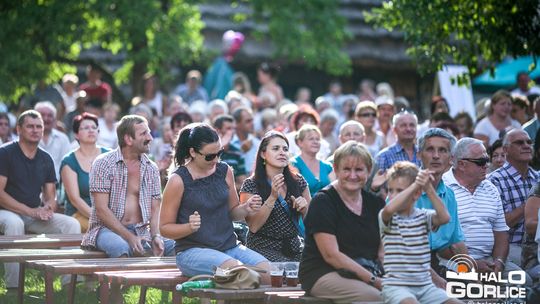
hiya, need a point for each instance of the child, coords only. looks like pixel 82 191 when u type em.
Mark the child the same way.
pixel 404 232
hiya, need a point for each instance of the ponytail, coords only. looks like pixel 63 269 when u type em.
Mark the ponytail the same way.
pixel 194 135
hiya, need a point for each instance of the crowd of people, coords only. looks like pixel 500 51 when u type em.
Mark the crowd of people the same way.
pixel 309 179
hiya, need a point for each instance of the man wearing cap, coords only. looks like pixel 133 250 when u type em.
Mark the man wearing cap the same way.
pixel 192 90
pixel 386 110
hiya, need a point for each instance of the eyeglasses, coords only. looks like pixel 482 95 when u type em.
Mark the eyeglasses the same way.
pixel 370 114
pixel 522 142
pixel 211 157
pixel 480 162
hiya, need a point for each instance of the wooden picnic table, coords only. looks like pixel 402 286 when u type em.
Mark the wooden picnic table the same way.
pixel 89 267
pixel 40 241
pixel 22 255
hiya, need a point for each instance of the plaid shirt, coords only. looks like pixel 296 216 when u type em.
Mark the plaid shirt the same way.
pixel 109 175
pixel 390 155
pixel 514 191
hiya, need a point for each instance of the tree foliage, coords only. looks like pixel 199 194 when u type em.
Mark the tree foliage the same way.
pixel 43 39
pixel 475 33
pixel 311 31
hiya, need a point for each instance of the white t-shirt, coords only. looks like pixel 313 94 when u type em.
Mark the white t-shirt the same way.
pixel 485 127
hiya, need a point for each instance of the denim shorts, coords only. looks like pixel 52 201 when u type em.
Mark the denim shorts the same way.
pixel 195 261
pixel 115 246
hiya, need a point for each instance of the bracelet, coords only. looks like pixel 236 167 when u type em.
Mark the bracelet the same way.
pixel 501 261
pixel 268 206
pixel 155 236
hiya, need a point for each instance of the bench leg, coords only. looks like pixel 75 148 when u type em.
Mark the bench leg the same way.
pixel 71 289
pixel 142 295
pixel 115 293
pixel 20 290
pixel 176 297
pixel 49 290
pixel 104 292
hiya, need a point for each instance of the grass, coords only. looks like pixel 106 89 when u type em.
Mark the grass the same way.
pixel 34 292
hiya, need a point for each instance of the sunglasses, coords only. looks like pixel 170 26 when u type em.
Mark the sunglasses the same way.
pixel 480 162
pixel 211 157
pixel 371 114
pixel 522 142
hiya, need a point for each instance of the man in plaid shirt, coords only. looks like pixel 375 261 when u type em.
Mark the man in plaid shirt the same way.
pixel 514 181
pixel 126 197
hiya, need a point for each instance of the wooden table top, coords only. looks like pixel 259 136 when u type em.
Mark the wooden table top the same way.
pixel 22 255
pixel 31 241
pixel 90 266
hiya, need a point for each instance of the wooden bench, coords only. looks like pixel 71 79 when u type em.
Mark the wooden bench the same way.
pixel 293 297
pixel 40 241
pixel 222 296
pixel 89 267
pixel 164 279
pixel 22 255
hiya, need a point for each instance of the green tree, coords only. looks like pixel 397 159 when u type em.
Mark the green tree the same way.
pixel 43 39
pixel 475 33
pixel 312 32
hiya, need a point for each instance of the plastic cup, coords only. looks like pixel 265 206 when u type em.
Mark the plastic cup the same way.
pixel 291 272
pixel 276 274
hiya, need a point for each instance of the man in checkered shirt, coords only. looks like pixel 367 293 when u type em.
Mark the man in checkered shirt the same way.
pixel 126 197
pixel 514 181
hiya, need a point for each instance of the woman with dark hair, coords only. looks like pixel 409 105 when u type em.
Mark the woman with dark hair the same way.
pixel 75 168
pixel 199 204
pixel 276 230
pixel 497 156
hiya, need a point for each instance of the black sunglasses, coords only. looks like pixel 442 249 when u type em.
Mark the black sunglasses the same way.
pixel 211 157
pixel 480 162
pixel 370 114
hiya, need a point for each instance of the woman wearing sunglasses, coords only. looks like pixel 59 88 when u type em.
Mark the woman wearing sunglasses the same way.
pixel 199 204
pixel 277 230
pixel 366 114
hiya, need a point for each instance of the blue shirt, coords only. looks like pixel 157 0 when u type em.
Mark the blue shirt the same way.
pixel 390 155
pixel 449 233
pixel 315 184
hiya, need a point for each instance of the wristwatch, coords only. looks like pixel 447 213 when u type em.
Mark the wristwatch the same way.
pixel 372 280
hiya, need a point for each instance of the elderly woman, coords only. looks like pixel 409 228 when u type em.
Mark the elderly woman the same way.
pixel 275 230
pixel 490 128
pixel 340 258
pixel 318 173
pixel 75 168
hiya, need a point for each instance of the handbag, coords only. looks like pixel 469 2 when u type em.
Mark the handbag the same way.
pixel 236 277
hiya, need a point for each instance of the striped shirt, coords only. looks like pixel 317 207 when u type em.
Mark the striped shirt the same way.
pixel 109 175
pixel 407 257
pixel 480 214
pixel 514 191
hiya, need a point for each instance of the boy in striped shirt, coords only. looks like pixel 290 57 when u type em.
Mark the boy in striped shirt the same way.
pixel 404 232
